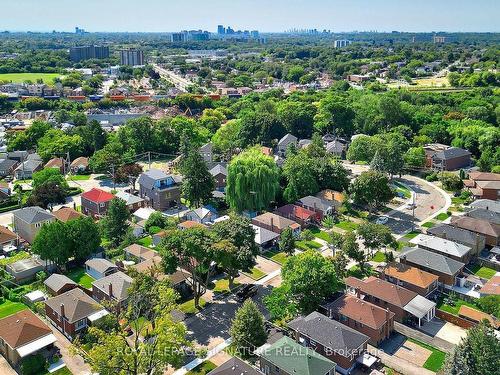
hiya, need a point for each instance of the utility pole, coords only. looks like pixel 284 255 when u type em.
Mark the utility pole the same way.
pixel 113 176
pixel 149 159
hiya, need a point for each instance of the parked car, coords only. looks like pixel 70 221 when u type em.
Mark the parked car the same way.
pixel 245 292
pixel 382 220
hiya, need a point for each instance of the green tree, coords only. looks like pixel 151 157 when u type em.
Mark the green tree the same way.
pixel 299 173
pixel 226 138
pixel 371 188
pixel 84 237
pixel 57 142
pixel 49 175
pixel 47 194
pixel 114 224
pixel 490 304
pixel 451 181
pixel 351 248
pixel 310 278
pixel 247 329
pixel 252 181
pixel 198 183
pixel 415 157
pixel 375 236
pixel 335 116
pixel 287 242
pixel 297 118
pixel 281 308
pixel 191 250
pixel 340 262
pixel 477 353
pixel 52 244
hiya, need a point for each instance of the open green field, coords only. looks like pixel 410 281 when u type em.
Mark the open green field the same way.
pixel 33 77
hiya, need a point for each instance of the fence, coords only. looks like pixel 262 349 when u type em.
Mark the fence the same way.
pixel 461 322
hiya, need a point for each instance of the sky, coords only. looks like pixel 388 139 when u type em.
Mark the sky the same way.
pixel 263 15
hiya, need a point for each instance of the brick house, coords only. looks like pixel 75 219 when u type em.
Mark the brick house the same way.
pixel 322 207
pixel 438 245
pixel 132 201
pixel 95 202
pixel 275 223
pixel 73 311
pixel 445 158
pixel 66 214
pixel 219 173
pixel 299 214
pixel 160 190
pixel 331 339
pixel 58 284
pixel 484 185
pixel 113 288
pixel 490 231
pixel 412 278
pixel 475 241
pixel 365 317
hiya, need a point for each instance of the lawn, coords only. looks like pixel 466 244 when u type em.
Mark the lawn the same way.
pixel 255 274
pixel 62 371
pixel 277 256
pixel 33 77
pixel 356 272
pixel 454 309
pixel 400 188
pixel 379 257
pixel 222 286
pixel 79 177
pixel 203 368
pixel 8 308
pixel 442 216
pixel 145 241
pixel 436 359
pixel 412 234
pixel 484 272
pixel 308 245
pixel 188 306
pixel 19 256
pixel 79 276
pixel 321 234
pixel 429 224
pixel 347 225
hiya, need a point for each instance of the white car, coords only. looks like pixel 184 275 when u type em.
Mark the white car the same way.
pixel 382 220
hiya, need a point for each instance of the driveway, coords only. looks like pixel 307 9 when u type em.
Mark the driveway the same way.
pixel 5 368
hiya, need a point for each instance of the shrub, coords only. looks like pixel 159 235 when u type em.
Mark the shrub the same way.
pixel 451 181
pixel 328 222
pixel 307 235
pixel 34 365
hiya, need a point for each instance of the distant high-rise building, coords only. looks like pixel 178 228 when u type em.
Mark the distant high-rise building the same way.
pixel 229 30
pixel 339 43
pixel 254 34
pixel 221 30
pixel 131 57
pixel 439 39
pixel 80 53
pixel 79 31
pixel 178 37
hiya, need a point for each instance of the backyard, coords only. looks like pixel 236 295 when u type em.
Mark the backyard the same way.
pixel 484 272
pixel 8 308
pixel 79 276
pixel 435 360
pixel 202 369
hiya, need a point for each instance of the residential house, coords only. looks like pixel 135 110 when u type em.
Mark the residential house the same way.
pixel 25 170
pixel 450 249
pixel 7 167
pixel 489 230
pixel 181 226
pixel 8 240
pixel 446 158
pixel 336 197
pixel 475 241
pixel 321 206
pixel 132 201
pixel 275 223
pixel 286 357
pixel 160 190
pixel 113 288
pixel 365 317
pixel 491 287
pixel 24 334
pixel 5 192
pixel 404 303
pixel 219 173
pixel 26 269
pixel 331 339
pixel 73 311
pixel 202 215
pixel 235 366
pixel 337 148
pixel 138 253
pixel 28 221
pixel 484 214
pixel 484 185
pixel 79 165
pixel 299 214
pixel 99 268
pixel 477 316
pixel 95 202
pixel 58 284
pixel 412 278
pixel 143 213
pixel 66 214
pixel 58 163
pixel 18 156
pixel 206 152
pixel 447 269
pixel 264 237
pixel 487 204
pixel 285 142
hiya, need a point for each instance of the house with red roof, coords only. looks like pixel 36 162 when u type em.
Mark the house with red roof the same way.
pixel 95 202
pixel 299 214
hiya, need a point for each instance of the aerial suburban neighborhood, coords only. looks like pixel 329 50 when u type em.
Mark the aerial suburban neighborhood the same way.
pixel 244 202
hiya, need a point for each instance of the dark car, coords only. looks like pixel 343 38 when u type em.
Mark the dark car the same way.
pixel 247 291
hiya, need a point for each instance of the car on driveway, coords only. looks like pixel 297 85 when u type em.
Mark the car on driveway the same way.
pixel 246 291
pixel 382 220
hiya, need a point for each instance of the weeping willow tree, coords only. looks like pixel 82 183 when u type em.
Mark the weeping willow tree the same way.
pixel 252 181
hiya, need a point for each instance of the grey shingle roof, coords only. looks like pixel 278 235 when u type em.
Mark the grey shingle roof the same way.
pixel 148 178
pixel 484 214
pixel 119 282
pixel 287 139
pixel 129 198
pixel 455 234
pixel 6 164
pixel 235 366
pixel 487 204
pixel 263 235
pixel 451 153
pixel 57 281
pixel 33 214
pixel 29 165
pixel 430 260
pixel 218 169
pixel 99 264
pixel 320 204
pixel 77 305
pixel 329 333
pixel 441 245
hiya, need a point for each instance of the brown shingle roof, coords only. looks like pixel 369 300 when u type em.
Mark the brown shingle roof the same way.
pixel 492 286
pixel 361 311
pixel 411 275
pixel 6 234
pixel 66 214
pixel 384 290
pixel 476 315
pixel 140 251
pixel 476 225
pixel 77 305
pixel 80 161
pixel 279 222
pixel 55 163
pixel 484 176
pixel 22 328
pixel 189 224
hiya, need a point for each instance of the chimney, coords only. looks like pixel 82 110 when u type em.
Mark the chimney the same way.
pixel 358 292
pixel 110 290
pixel 62 310
pixel 272 223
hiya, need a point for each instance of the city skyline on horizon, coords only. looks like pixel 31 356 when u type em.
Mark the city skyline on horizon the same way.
pixel 335 15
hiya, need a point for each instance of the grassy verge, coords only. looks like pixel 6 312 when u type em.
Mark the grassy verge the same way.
pixel 79 177
pixel 321 234
pixel 412 234
pixel 428 224
pixel 202 369
pixel 277 256
pixel 308 245
pixel 436 360
pixel 442 216
pixel 347 225
pixel 8 308
pixel 189 308
pixel 255 274
pixel 79 276
pixel 222 286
